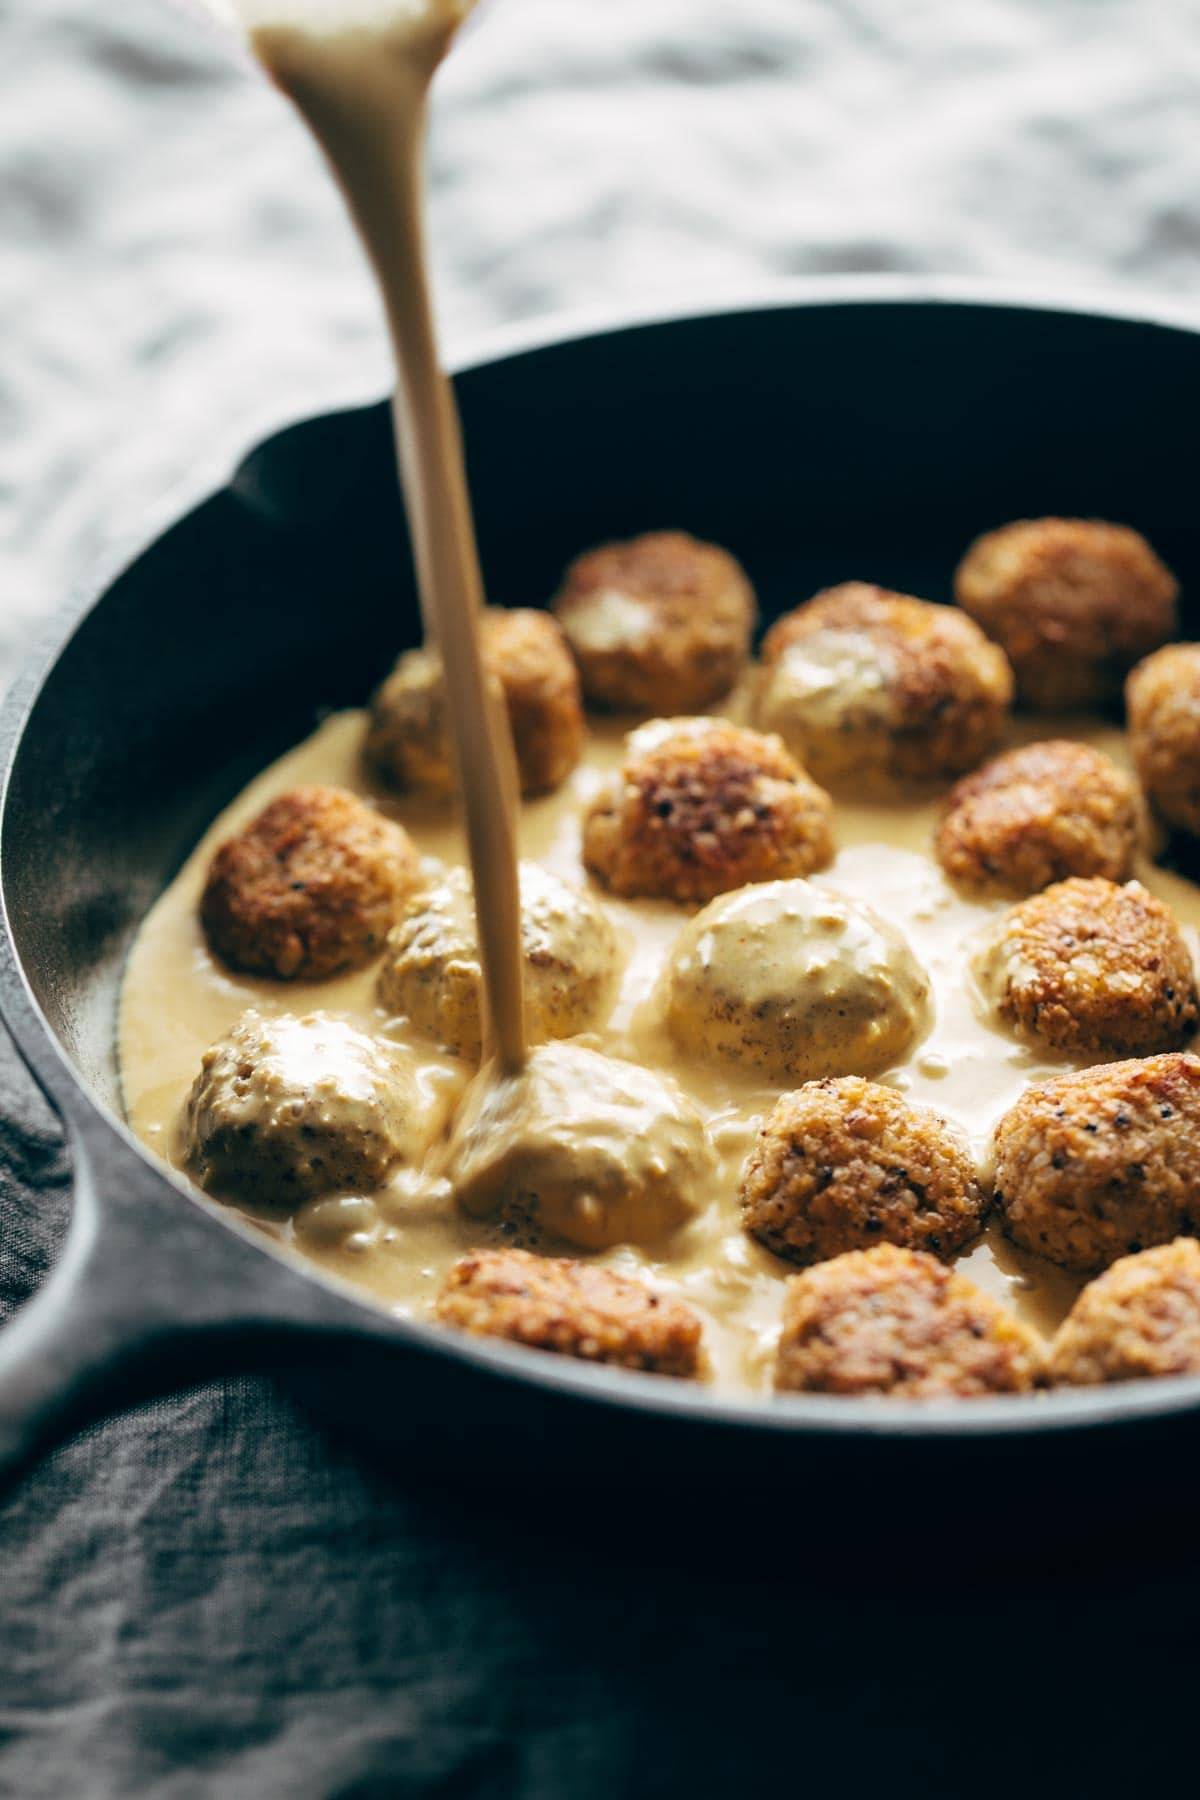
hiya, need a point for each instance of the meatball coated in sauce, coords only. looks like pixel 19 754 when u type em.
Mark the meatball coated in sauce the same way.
pixel 571 1309
pixel 1162 697
pixel 431 970
pixel 1090 968
pixel 311 886
pixel 1040 814
pixel 587 1148
pixel 659 624
pixel 287 1108
pixel 1074 602
pixel 870 687
pixel 1140 1319
pixel 897 1322
pixel 524 653
pixel 1100 1163
pixel 793 980
pixel 699 807
pixel 844 1164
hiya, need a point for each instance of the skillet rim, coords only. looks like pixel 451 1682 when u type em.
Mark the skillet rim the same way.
pixel 1035 1415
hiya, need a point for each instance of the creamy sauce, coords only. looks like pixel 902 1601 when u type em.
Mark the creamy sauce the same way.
pixel 397 1244
pixel 359 72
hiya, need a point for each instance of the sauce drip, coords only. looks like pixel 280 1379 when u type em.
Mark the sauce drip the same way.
pixel 359 73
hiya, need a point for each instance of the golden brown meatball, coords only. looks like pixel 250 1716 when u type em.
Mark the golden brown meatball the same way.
pixel 897 1322
pixel 311 886
pixel 1088 967
pixel 1037 815
pixel 588 1148
pixel 1163 700
pixel 525 653
pixel 1074 602
pixel 431 970
pixel 698 807
pixel 795 980
pixel 864 685
pixel 286 1108
pixel 1140 1318
pixel 571 1308
pixel 659 624
pixel 1103 1162
pixel 842 1165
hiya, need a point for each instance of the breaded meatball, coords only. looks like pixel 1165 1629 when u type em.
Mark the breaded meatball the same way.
pixel 699 806
pixel 842 1165
pixel 791 979
pixel 1100 1163
pixel 431 970
pixel 1163 700
pixel 1090 968
pixel 1140 1318
pixel 1074 602
pixel 659 624
pixel 1037 815
pixel 571 1308
pixel 867 687
pixel 897 1322
pixel 287 1108
pixel 585 1147
pixel 525 654
pixel 312 885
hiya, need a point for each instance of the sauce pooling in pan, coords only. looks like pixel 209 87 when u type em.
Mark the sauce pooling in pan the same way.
pixel 398 1243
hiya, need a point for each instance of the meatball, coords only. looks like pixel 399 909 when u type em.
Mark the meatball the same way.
pixel 791 979
pixel 1090 968
pixel 1140 1318
pixel 287 1108
pixel 1100 1163
pixel 1074 602
pixel 571 1308
pixel 585 1147
pixel 311 886
pixel 525 654
pixel 1037 815
pixel 431 971
pixel 841 1165
pixel 867 686
pixel 699 806
pixel 1163 700
pixel 659 624
pixel 898 1322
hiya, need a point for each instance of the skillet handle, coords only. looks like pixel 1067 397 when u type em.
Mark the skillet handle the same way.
pixel 149 1292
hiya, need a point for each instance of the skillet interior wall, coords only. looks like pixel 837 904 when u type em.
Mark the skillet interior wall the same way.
pixel 820 442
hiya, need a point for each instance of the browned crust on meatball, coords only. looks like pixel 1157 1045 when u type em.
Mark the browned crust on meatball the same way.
pixel 528 654
pixel 1089 967
pixel 571 1308
pixel 1040 814
pixel 1074 602
pixel 1163 700
pixel 1102 1162
pixel 524 651
pixel 1138 1320
pixel 708 808
pixel 702 609
pixel 949 686
pixel 897 1322
pixel 312 885
pixel 844 1164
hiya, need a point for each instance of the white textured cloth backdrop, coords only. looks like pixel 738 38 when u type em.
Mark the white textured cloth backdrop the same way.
pixel 174 262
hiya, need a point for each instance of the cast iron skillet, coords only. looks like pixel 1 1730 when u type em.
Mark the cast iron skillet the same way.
pixel 863 430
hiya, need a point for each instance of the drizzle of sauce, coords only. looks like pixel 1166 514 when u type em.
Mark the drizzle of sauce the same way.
pixel 397 1244
pixel 359 73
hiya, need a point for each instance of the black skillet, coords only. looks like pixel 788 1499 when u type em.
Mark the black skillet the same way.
pixel 867 429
